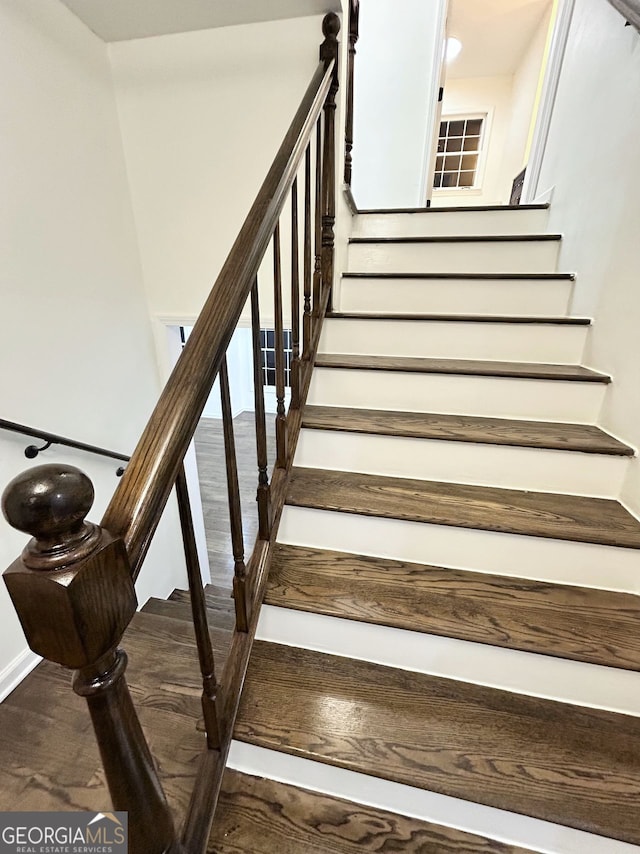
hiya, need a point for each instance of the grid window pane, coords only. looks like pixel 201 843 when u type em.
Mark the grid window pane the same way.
pixel 268 356
pixel 469 163
pixel 459 147
pixel 454 143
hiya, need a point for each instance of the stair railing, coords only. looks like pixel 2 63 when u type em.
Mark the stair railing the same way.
pixel 354 31
pixel 49 439
pixel 73 585
pixel 630 10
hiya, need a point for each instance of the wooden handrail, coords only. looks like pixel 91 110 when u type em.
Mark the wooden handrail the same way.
pixel 135 509
pixel 629 9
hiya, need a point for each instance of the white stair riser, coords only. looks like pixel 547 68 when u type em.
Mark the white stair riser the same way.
pixel 500 397
pixel 507 827
pixel 480 257
pixel 442 223
pixel 510 467
pixel 516 342
pixel 514 297
pixel 538 558
pixel 575 682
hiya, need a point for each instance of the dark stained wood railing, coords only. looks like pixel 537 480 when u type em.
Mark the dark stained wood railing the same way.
pixel 73 586
pixel 629 9
pixel 354 30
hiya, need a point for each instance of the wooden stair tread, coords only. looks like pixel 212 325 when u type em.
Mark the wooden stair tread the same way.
pixel 50 756
pixel 217 598
pixel 583 624
pixel 466 428
pixel 467 367
pixel 263 816
pixel 561 763
pixel 536 514
pixel 460 318
pixel 463 238
pixel 218 619
pixel 470 276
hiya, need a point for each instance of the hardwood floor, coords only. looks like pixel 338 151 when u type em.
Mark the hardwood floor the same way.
pixel 514 511
pixel 263 817
pixel 50 758
pixel 562 763
pixel 209 445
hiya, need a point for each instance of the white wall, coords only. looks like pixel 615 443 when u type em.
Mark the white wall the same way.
pixel 202 116
pixel 526 82
pixel 395 96
pixel 590 161
pixel 493 96
pixel 76 351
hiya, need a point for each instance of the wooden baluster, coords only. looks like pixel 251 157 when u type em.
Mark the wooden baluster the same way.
pixel 264 493
pixel 317 270
pixel 235 509
pixel 199 613
pixel 295 299
pixel 354 15
pixel 329 52
pixel 73 591
pixel 281 419
pixel 306 318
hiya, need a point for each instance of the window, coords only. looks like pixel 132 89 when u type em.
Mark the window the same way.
pixel 459 146
pixel 268 352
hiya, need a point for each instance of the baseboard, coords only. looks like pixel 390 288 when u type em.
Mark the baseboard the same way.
pixel 15 671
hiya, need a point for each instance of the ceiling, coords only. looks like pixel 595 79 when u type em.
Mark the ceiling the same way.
pixel 120 20
pixel 494 34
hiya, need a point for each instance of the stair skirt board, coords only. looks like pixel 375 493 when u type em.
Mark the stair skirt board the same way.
pixel 515 555
pixel 544 297
pixel 500 397
pixel 506 827
pixel 508 466
pixel 450 339
pixel 531 674
pixel 442 223
pixel 510 256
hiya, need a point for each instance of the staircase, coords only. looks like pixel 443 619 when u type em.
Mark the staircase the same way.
pixel 445 660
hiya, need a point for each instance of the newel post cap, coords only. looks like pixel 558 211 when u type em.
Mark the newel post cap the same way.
pixel 72 585
pixel 50 502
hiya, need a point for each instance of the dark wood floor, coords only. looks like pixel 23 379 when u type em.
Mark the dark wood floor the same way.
pixel 213 487
pixel 49 755
pixel 566 764
pixel 264 817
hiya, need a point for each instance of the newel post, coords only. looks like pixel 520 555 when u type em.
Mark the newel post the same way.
pixel 74 595
pixel 329 53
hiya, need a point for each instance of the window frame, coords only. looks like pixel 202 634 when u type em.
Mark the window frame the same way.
pixel 460 115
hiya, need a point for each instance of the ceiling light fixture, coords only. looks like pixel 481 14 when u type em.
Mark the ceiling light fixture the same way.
pixel 453 48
